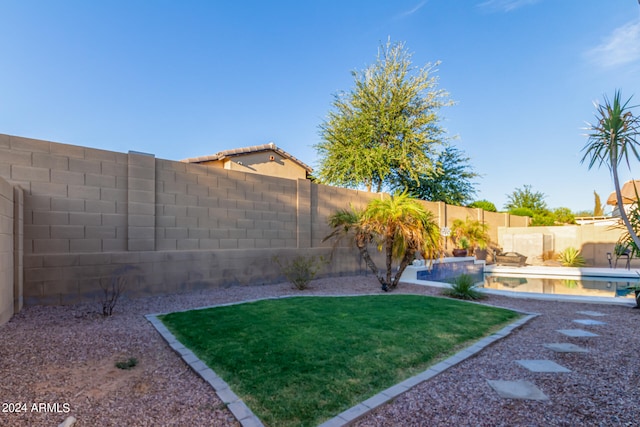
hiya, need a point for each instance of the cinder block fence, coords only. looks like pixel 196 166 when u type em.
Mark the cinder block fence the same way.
pixel 71 217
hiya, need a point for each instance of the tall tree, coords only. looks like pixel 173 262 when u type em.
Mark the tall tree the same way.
pixel 526 198
pixel 612 139
pixel 386 124
pixel 597 205
pixel 400 226
pixel 450 180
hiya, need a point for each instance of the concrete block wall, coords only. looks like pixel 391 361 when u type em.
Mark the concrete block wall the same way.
pixel 18 249
pixel 75 197
pixel 325 201
pixel 593 240
pixel 205 208
pixel 6 251
pixel 447 214
pixel 88 213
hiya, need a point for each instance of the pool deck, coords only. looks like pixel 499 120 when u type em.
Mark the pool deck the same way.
pixel 533 271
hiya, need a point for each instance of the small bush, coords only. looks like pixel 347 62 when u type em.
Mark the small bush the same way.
pixel 463 287
pixel 484 204
pixel 571 257
pixel 127 364
pixel 300 270
pixel 522 212
pixel 118 284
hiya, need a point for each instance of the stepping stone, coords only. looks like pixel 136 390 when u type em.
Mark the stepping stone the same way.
pixel 542 366
pixel 589 322
pixel 576 333
pixel 566 347
pixel 517 390
pixel 591 313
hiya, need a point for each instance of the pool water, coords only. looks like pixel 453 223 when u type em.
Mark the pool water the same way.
pixel 582 286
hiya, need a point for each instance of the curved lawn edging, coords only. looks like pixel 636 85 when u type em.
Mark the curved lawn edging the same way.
pixel 247 418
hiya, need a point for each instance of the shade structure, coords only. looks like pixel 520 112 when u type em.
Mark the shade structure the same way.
pixel 628 193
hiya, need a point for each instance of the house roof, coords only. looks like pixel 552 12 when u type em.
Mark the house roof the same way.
pixel 628 191
pixel 247 150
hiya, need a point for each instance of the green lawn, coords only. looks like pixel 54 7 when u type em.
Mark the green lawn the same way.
pixel 300 361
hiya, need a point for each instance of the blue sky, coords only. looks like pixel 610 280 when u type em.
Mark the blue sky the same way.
pixel 187 78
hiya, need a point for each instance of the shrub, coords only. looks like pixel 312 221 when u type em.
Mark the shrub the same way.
pixel 463 287
pixel 300 270
pixel 484 204
pixel 522 212
pixel 571 257
pixel 119 282
pixel 127 364
pixel 564 216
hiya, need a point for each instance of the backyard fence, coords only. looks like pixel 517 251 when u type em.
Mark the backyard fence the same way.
pixel 70 216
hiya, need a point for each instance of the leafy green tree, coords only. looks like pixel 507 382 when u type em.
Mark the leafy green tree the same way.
pixel 522 212
pixel 563 216
pixel 526 198
pixel 484 204
pixel 598 210
pixel 543 218
pixel 399 226
pixel 387 124
pixel 449 180
pixel 612 139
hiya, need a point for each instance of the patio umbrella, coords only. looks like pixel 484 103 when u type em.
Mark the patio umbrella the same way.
pixel 628 193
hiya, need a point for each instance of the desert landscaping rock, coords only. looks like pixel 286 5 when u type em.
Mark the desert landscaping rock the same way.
pixel 162 390
pixel 68 422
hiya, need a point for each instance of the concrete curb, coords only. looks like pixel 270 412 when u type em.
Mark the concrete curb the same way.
pixel 247 418
pixel 238 408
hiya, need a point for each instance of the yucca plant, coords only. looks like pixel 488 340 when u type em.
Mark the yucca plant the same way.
pixel 613 138
pixel 571 257
pixel 463 287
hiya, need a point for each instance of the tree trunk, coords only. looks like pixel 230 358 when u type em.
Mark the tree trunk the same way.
pixel 623 213
pixel 389 261
pixel 372 266
pixel 406 260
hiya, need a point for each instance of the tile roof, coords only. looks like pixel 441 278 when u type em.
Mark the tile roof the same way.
pixel 247 150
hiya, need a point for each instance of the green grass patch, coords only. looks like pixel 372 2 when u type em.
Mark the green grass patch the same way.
pixel 300 361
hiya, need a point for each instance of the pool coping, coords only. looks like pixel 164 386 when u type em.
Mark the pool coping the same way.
pixel 565 271
pixel 549 271
pixel 247 418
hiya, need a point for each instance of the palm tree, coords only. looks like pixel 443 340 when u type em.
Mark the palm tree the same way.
pixel 476 233
pixel 347 223
pixel 611 140
pixel 400 226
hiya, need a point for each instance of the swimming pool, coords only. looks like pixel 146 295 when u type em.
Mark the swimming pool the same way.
pixel 582 282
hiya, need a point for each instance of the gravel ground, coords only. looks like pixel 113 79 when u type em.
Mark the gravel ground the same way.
pixel 65 356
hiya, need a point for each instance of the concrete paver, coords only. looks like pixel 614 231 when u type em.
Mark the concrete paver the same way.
pixel 565 347
pixel 577 333
pixel 517 390
pixel 542 366
pixel 591 313
pixel 589 322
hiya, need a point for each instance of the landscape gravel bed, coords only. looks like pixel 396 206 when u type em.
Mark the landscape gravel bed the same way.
pixel 59 361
